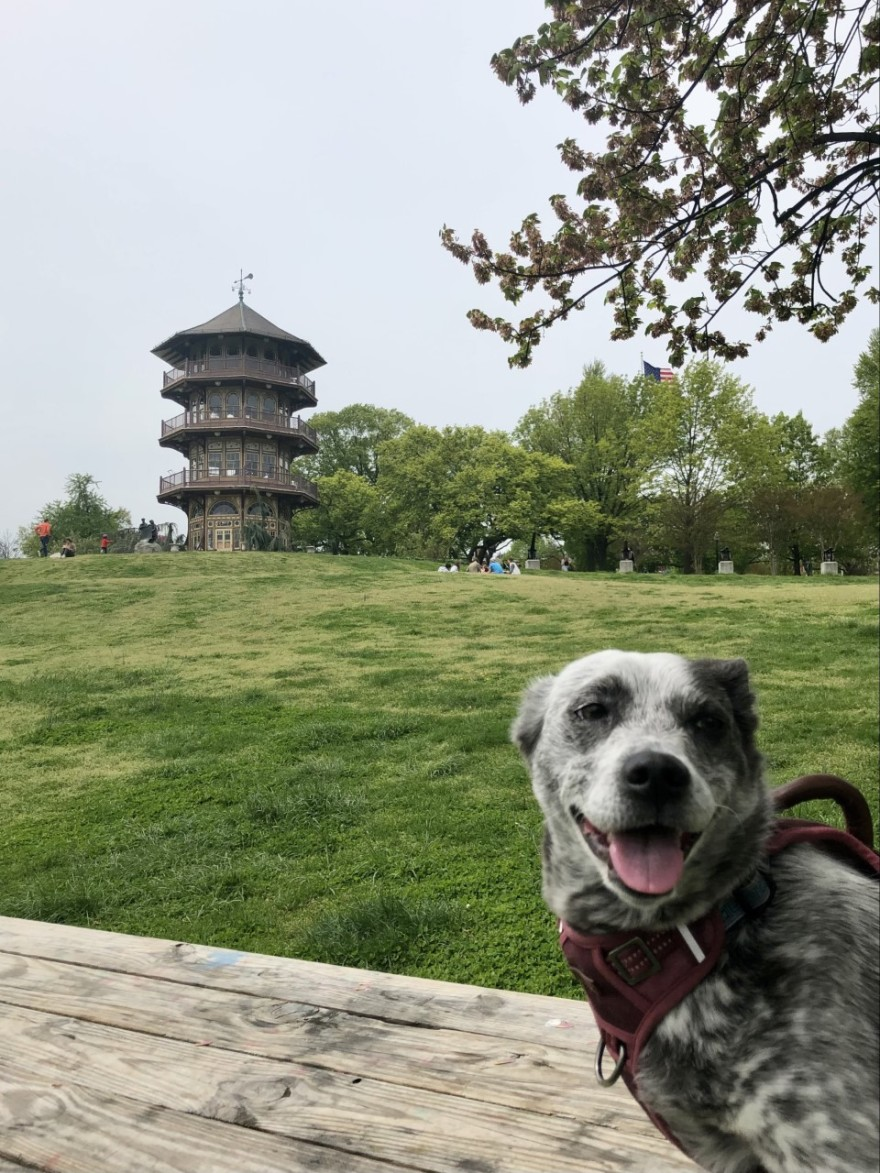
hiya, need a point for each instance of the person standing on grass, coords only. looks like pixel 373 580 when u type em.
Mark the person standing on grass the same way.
pixel 44 532
pixel 105 543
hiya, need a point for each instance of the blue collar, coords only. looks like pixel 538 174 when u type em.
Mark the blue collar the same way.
pixel 747 902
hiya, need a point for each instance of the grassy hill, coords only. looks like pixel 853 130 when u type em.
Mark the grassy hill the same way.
pixel 308 755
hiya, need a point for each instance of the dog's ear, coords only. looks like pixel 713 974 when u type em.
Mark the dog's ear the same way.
pixel 733 677
pixel 526 729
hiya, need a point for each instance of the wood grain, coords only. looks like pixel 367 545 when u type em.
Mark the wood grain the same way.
pixel 59 1126
pixel 390 997
pixel 123 1054
pixel 518 1074
pixel 361 1115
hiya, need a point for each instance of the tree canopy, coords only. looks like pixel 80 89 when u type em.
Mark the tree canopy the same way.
pixel 860 437
pixel 594 429
pixel 460 489
pixel 82 515
pixel 740 161
pixel 350 439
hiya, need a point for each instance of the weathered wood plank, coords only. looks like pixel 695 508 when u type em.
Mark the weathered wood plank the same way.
pixel 482 1067
pixel 433 1131
pixel 59 1126
pixel 558 1022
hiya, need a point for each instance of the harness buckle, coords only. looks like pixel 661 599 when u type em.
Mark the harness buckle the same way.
pixel 633 967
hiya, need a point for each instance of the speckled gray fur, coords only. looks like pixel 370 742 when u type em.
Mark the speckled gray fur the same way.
pixel 772 1062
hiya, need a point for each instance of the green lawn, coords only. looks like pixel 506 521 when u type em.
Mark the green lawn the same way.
pixel 308 755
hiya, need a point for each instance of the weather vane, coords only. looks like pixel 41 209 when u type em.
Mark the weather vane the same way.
pixel 240 283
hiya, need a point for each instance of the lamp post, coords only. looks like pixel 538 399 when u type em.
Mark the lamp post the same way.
pixel 717 555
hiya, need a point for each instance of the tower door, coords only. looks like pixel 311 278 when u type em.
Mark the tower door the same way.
pixel 223 538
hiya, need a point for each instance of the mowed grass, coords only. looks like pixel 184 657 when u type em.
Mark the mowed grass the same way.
pixel 308 756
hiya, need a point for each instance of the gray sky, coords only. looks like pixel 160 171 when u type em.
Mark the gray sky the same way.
pixel 151 150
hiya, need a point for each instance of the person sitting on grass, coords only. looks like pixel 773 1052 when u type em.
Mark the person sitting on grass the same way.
pixel 474 565
pixel 68 549
pixel 445 568
pixel 495 566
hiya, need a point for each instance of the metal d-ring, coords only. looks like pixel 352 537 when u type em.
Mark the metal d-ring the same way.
pixel 610 1080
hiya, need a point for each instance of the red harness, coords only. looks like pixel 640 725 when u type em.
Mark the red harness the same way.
pixel 633 980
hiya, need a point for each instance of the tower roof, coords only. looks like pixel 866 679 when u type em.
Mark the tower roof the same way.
pixel 238 319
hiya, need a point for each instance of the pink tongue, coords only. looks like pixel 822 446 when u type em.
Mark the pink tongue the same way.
pixel 649 861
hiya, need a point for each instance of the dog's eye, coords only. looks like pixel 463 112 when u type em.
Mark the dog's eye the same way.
pixel 594 711
pixel 709 724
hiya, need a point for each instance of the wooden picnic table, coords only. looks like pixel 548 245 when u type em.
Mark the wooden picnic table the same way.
pixel 122 1054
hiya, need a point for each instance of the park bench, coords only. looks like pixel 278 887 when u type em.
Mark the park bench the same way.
pixel 122 1054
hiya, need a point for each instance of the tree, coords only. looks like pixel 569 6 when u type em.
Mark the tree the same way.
pixel 350 439
pixel 82 515
pixel 698 436
pixel 345 520
pixel 593 428
pixel 740 153
pixel 786 461
pixel 451 492
pixel 835 516
pixel 860 435
pixel 9 546
pixel 258 526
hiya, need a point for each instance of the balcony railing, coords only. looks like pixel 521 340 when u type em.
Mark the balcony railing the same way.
pixel 231 478
pixel 266 421
pixel 241 364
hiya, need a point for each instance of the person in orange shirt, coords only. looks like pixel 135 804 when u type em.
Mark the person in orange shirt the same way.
pixel 44 532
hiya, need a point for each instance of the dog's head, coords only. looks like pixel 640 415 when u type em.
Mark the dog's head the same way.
pixel 646 769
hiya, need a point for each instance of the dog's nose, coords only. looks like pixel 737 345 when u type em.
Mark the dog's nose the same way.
pixel 655 775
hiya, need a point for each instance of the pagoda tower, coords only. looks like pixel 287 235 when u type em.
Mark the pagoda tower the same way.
pixel 241 382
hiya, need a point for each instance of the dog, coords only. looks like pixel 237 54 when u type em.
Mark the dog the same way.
pixel 655 811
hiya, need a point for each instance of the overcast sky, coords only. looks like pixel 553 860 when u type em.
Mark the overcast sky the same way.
pixel 152 150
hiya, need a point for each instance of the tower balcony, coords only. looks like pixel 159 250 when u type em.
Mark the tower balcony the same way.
pixel 242 367
pixel 265 423
pixel 210 480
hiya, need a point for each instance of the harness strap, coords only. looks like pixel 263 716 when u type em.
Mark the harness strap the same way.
pixel 849 798
pixel 632 979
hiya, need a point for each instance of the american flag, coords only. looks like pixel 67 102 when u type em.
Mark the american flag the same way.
pixel 658 374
